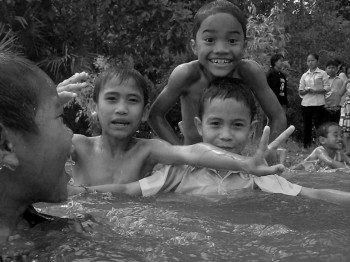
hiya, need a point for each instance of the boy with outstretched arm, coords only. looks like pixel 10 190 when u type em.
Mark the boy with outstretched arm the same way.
pixel 117 157
pixel 226 113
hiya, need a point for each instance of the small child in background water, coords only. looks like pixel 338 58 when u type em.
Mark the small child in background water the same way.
pixel 330 154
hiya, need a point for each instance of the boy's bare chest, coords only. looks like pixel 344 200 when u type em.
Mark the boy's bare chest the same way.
pixel 104 169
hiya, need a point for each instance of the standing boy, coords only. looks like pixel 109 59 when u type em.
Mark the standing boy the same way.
pixel 219 39
pixel 334 95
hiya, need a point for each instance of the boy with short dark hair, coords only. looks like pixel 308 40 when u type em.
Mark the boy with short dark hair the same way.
pixel 219 40
pixel 330 153
pixel 227 109
pixel 334 95
pixel 117 157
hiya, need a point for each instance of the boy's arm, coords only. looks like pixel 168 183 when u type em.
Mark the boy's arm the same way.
pixel 178 82
pixel 252 74
pixel 207 155
pixel 129 188
pixel 324 157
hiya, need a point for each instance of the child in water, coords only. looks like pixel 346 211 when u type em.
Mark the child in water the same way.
pixel 226 112
pixel 330 153
pixel 117 157
pixel 219 39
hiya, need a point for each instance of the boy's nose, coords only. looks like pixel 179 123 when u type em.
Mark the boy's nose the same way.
pixel 220 47
pixel 226 134
pixel 121 108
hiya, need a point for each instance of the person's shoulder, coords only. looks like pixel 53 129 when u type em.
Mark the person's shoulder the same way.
pixel 190 71
pixel 81 141
pixel 248 65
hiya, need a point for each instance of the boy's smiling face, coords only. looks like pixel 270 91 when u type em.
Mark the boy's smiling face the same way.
pixel 226 123
pixel 121 108
pixel 219 44
pixel 334 139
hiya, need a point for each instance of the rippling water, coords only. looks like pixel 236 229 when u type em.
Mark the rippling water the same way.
pixel 247 226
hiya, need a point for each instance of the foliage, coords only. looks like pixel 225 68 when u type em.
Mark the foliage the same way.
pixel 68 36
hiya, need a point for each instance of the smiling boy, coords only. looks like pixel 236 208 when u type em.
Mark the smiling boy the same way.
pixel 218 41
pixel 226 111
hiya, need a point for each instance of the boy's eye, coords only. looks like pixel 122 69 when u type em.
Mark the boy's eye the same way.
pixel 232 41
pixel 134 99
pixel 209 39
pixel 238 125
pixel 110 98
pixel 214 123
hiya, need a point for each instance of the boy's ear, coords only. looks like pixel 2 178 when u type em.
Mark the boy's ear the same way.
pixel 198 124
pixel 8 157
pixel 145 113
pixel 322 140
pixel 193 46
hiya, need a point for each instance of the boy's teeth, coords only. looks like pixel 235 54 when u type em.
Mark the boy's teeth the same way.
pixel 221 61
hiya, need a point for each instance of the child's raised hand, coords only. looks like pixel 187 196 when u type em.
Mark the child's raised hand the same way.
pixel 258 163
pixel 68 88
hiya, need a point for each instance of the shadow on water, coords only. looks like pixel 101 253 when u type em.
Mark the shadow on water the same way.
pixel 246 226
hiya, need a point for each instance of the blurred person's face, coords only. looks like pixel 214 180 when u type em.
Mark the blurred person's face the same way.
pixel 311 62
pixel 331 70
pixel 40 174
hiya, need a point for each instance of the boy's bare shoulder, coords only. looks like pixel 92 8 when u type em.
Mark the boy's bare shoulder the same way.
pixel 188 72
pixel 81 141
pixel 249 64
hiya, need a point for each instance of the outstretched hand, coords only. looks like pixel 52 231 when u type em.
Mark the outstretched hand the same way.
pixel 68 89
pixel 258 165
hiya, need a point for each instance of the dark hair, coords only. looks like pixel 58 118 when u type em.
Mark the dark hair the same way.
pixel 322 130
pixel 316 56
pixel 19 91
pixel 338 61
pixel 227 87
pixel 218 6
pixel 346 69
pixel 123 74
pixel 332 62
pixel 275 58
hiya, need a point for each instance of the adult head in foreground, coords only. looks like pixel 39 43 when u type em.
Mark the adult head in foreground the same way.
pixel 34 142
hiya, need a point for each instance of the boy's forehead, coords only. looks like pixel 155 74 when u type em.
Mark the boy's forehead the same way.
pixel 115 84
pixel 221 21
pixel 225 106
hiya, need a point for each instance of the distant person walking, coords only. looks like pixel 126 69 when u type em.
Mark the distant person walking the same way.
pixel 277 80
pixel 312 88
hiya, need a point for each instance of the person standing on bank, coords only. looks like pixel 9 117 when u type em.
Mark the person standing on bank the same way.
pixel 277 80
pixel 312 88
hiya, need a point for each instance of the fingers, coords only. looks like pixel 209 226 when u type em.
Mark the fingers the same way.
pixel 65 97
pixel 278 168
pixel 263 145
pixel 71 87
pixel 281 138
pixel 76 78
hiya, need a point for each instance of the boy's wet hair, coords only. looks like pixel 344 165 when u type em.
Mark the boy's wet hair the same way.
pixel 218 6
pixel 123 74
pixel 332 62
pixel 323 129
pixel 225 88
pixel 19 92
pixel 275 58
